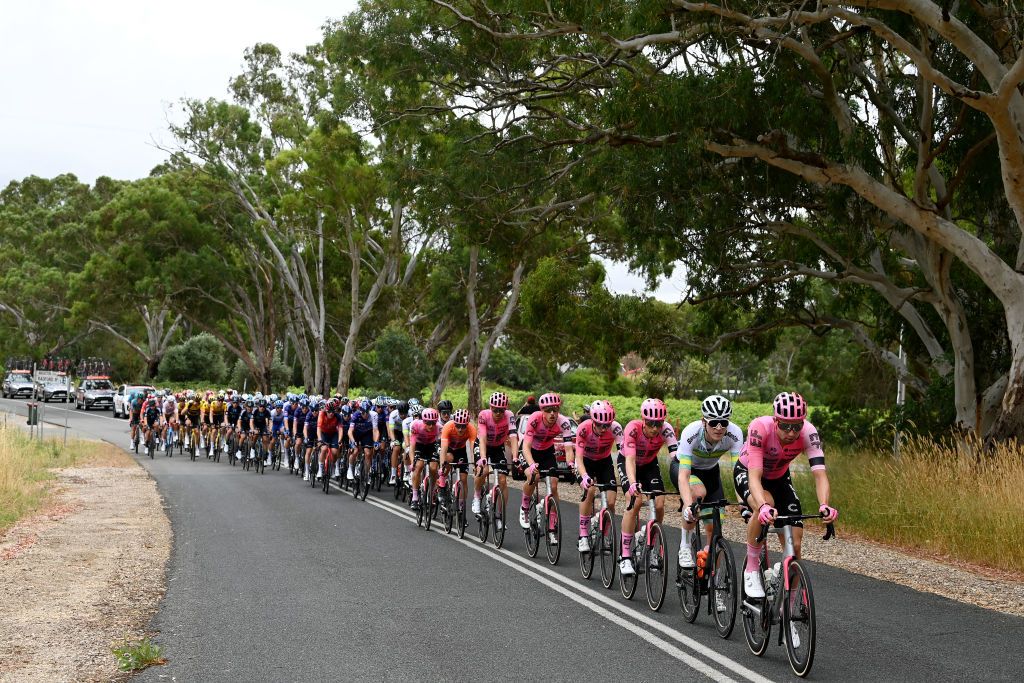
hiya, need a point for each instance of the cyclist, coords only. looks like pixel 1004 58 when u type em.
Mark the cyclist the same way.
pixel 445 408
pixel 169 407
pixel 233 418
pixel 152 416
pixel 298 429
pixel 136 402
pixel 496 436
pixel 457 439
pixel 763 481
pixel 639 469
pixel 312 419
pixel 423 436
pixel 276 426
pixel 215 419
pixel 245 424
pixel 594 440
pixel 415 411
pixel 327 434
pixel 695 468
pixel 394 435
pixel 363 431
pixel 539 435
pixel 193 411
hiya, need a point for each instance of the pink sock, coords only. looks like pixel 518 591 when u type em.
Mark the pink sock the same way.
pixel 753 557
pixel 627 547
pixel 584 525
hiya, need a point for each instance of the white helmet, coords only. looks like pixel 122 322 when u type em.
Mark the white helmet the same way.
pixel 716 407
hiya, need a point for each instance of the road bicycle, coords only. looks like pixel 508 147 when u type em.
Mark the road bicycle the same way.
pixel 151 443
pixel 545 519
pixel 604 540
pixel 788 600
pixel 453 510
pixel 648 556
pixel 713 574
pixel 428 498
pixel 361 478
pixel 276 448
pixel 492 507
pixel 169 435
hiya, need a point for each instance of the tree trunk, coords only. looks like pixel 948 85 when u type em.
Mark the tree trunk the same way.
pixel 473 355
pixel 1010 422
pixel 446 370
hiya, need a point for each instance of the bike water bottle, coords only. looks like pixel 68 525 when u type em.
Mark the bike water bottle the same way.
pixel 702 560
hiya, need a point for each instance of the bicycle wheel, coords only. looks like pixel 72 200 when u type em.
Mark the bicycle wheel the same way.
pixel 366 483
pixel 430 501
pixel 381 472
pixel 608 548
pixel 627 584
pixel 798 623
pixel 723 591
pixel 460 510
pixel 399 481
pixel 150 448
pixel 327 479
pixel 688 585
pixel 448 514
pixel 533 531
pixel 757 620
pixel 356 481
pixel 587 558
pixel 498 516
pixel 655 565
pixel 420 512
pixel 312 469
pixel 553 537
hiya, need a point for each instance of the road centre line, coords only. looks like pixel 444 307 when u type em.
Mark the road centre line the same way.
pixel 520 564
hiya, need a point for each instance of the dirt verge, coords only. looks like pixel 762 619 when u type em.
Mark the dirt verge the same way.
pixel 82 574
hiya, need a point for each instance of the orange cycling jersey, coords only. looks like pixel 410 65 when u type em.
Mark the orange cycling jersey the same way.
pixel 457 440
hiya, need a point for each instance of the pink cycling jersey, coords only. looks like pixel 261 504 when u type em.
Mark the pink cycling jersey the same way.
pixel 644 447
pixel 540 436
pixel 419 434
pixel 497 426
pixel 596 446
pixel 764 451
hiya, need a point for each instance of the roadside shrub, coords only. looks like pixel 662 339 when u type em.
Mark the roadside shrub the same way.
pixel 200 358
pixel 583 381
pixel 396 365
pixel 510 368
pixel 240 376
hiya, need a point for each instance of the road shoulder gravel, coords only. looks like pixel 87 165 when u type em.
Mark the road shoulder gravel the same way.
pixel 86 572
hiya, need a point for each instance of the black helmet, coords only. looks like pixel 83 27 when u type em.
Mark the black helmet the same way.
pixel 403 407
pixel 445 406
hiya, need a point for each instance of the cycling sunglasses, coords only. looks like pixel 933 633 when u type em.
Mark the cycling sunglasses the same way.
pixel 430 422
pixel 718 424
pixel 654 423
pixel 550 409
pixel 791 426
pixel 602 425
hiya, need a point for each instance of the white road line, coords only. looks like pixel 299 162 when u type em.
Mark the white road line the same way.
pixel 591 593
pixel 663 645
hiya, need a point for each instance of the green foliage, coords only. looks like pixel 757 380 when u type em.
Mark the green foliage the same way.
pixel 509 367
pixel 396 365
pixel 200 358
pixel 137 655
pixel 583 381
pixel 241 376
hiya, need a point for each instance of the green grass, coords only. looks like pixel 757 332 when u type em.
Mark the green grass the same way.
pixel 135 656
pixel 25 470
pixel 938 498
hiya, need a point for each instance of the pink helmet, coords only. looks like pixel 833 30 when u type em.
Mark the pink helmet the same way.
pixel 602 411
pixel 653 409
pixel 790 406
pixel 499 400
pixel 461 416
pixel 550 399
pixel 430 415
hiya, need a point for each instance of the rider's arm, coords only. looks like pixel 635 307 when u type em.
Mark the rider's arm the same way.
pixel 376 431
pixel 685 457
pixel 482 436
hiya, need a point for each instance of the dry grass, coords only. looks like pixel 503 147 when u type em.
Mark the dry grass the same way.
pixel 26 469
pixel 947 500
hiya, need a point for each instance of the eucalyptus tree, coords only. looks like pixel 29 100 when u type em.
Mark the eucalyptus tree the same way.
pixel 872 145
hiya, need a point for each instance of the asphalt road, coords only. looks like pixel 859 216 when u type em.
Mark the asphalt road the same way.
pixel 271 580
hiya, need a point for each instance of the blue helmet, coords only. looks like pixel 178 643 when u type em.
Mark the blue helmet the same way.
pixel 364 405
pixel 346 410
pixel 279 404
pixel 304 402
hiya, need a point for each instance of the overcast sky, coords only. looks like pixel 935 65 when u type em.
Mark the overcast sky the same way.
pixel 87 87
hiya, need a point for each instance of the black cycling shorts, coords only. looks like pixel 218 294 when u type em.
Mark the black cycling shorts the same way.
pixel 648 476
pixel 428 452
pixel 602 471
pixel 781 491
pixel 711 479
pixel 545 458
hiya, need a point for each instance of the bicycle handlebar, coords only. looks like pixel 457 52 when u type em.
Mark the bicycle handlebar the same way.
pixel 698 504
pixel 830 529
pixel 600 487
pixel 649 494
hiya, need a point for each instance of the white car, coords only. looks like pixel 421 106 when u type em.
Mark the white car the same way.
pixel 124 393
